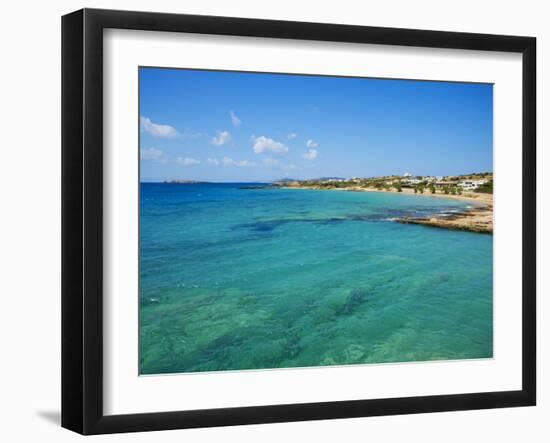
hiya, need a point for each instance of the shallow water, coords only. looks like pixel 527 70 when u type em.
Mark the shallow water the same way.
pixel 234 278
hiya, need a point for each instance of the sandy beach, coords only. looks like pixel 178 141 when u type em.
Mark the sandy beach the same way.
pixel 478 219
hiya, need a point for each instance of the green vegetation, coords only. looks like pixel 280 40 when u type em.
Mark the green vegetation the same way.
pixel 487 188
pixel 444 185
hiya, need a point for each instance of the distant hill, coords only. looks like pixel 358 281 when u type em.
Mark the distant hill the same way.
pixel 285 180
pixel 184 182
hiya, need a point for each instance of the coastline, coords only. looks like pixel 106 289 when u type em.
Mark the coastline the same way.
pixel 476 219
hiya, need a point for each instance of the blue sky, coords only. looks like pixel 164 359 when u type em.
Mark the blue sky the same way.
pixel 231 126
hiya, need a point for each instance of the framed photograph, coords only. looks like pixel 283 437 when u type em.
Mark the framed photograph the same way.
pixel 268 221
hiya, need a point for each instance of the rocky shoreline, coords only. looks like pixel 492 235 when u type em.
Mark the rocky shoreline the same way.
pixel 477 219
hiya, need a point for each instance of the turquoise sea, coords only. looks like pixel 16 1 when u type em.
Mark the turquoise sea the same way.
pixel 233 278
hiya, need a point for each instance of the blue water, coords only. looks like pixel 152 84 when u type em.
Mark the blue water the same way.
pixel 234 279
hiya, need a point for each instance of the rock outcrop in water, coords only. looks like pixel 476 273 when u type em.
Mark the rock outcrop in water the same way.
pixel 477 220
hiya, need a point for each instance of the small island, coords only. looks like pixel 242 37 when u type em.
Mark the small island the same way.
pixel 475 187
pixel 184 182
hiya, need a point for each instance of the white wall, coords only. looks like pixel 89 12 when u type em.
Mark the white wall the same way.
pixel 30 218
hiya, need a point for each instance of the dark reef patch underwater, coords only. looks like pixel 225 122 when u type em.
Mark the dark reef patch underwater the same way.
pixel 241 276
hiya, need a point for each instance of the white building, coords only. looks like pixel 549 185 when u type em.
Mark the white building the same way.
pixel 471 185
pixel 410 180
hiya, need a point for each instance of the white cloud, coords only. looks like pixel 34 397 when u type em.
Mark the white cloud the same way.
pixel 264 144
pixel 186 161
pixel 157 130
pixel 236 121
pixel 213 161
pixel 311 154
pixel 312 143
pixel 270 162
pixel 222 138
pixel 151 154
pixel 291 135
pixel 240 163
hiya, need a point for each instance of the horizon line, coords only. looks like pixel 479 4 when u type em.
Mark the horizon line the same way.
pixel 191 181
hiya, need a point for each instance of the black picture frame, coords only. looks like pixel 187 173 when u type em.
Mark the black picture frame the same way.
pixel 82 218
